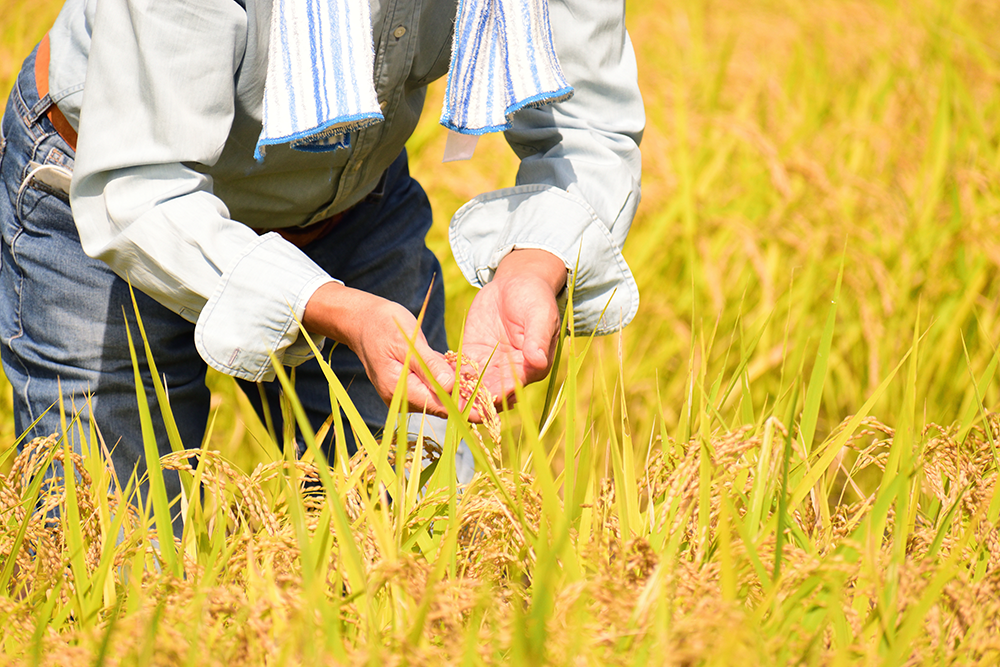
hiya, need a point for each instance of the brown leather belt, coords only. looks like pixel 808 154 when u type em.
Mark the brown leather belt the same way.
pixel 300 237
pixel 56 116
pixel 303 236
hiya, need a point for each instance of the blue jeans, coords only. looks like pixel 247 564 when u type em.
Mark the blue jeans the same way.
pixel 62 330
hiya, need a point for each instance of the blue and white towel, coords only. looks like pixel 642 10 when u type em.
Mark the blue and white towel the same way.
pixel 320 76
pixel 502 60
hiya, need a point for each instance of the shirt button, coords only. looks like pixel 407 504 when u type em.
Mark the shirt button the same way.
pixel 357 165
pixel 399 32
pixel 383 105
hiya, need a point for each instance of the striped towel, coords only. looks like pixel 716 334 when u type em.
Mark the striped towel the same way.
pixel 320 77
pixel 502 60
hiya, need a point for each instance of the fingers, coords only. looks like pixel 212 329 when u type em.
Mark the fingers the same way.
pixel 442 371
pixel 504 372
pixel 475 417
pixel 421 393
pixel 540 341
pixel 538 348
pixel 423 399
pixel 530 317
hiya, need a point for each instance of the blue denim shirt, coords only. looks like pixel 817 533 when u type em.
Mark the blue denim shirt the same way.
pixel 166 190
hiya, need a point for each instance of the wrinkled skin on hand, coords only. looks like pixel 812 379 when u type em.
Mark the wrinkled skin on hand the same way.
pixel 516 313
pixel 383 347
pixel 377 330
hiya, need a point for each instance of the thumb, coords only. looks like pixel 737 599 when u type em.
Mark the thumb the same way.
pixel 539 343
pixel 442 371
pixel 436 363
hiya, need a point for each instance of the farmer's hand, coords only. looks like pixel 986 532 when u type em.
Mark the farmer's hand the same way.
pixel 376 330
pixel 516 313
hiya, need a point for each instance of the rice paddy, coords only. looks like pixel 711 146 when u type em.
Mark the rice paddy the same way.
pixel 790 457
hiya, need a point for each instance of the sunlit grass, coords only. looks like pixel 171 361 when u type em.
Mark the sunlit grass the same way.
pixel 789 457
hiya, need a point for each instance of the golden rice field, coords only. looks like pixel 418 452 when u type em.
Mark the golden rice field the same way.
pixel 790 457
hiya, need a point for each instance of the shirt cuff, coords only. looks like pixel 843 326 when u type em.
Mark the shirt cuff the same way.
pixel 256 308
pixel 541 216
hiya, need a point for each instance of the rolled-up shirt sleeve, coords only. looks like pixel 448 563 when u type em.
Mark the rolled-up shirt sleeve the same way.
pixel 578 184
pixel 159 99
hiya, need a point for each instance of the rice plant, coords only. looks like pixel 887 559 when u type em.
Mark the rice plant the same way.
pixel 789 458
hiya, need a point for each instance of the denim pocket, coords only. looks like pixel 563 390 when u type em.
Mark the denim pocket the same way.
pixel 3 139
pixel 44 189
pixel 52 177
pixel 3 146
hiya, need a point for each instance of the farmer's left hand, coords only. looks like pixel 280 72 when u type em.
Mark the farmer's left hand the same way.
pixel 516 313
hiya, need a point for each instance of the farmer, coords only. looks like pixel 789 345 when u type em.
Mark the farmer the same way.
pixel 241 164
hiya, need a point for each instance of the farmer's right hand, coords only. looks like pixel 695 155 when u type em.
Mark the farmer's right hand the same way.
pixel 376 330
